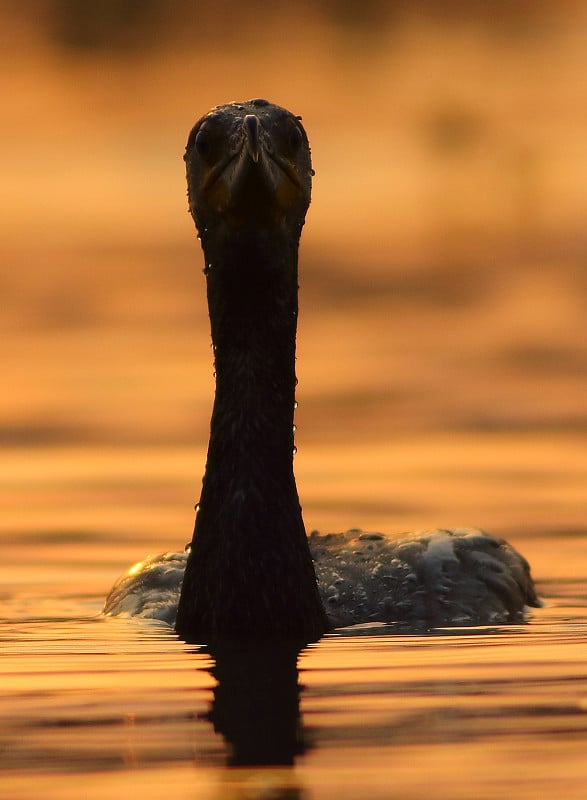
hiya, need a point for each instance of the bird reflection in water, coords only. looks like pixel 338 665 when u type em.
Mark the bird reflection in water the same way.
pixel 256 705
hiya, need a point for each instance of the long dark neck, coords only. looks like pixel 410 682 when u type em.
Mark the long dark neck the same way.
pixel 250 571
pixel 253 314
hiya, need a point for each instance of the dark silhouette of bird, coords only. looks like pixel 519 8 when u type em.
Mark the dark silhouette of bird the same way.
pixel 251 571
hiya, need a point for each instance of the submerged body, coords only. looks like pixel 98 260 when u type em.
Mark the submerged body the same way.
pixel 430 578
pixel 251 570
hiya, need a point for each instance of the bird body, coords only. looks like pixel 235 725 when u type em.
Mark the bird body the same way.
pixel 420 580
pixel 251 571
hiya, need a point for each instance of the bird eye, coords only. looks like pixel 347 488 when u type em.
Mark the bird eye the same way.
pixel 295 138
pixel 203 143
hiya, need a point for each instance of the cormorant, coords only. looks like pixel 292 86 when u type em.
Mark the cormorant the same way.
pixel 251 571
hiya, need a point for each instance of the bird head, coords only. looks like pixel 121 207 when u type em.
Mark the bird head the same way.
pixel 248 168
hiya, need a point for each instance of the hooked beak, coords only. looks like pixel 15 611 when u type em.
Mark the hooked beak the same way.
pixel 251 128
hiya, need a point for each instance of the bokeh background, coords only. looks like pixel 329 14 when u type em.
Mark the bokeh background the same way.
pixel 442 350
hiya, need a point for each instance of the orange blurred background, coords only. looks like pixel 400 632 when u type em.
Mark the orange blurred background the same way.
pixel 442 269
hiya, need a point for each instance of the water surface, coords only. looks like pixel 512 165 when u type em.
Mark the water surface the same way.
pixel 442 368
pixel 120 707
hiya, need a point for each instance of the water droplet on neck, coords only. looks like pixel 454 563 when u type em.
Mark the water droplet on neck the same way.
pixel 295 449
pixel 295 404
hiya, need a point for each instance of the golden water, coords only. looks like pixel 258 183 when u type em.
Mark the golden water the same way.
pixel 443 382
pixel 99 708
pixel 413 414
